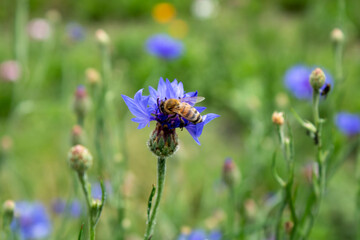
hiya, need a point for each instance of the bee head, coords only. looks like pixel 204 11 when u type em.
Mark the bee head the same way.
pixel 161 107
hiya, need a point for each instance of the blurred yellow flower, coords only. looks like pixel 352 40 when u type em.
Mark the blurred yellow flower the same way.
pixel 178 28
pixel 163 12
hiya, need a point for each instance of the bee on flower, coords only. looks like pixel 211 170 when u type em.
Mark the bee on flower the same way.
pixel 171 107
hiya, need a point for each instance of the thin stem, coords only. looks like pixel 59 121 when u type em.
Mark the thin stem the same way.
pixel 161 172
pixel 358 194
pixel 86 190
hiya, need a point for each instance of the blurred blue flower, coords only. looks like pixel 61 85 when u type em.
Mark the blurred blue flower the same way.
pixel 199 234
pixel 348 123
pixel 96 189
pixel 58 206
pixel 31 220
pixel 75 31
pixel 164 46
pixel 146 109
pixel 74 209
pixel 297 81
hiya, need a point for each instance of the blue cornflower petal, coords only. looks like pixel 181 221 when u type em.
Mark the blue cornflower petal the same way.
pixel 164 46
pixel 348 123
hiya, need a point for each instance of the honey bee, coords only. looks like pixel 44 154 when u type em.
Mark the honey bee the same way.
pixel 183 108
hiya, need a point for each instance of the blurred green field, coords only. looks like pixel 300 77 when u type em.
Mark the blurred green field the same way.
pixel 236 60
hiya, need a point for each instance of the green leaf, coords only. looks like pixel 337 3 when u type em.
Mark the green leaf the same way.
pixel 150 201
pixel 275 174
pixel 81 231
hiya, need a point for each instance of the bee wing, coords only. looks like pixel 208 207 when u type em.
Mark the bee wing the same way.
pixel 192 100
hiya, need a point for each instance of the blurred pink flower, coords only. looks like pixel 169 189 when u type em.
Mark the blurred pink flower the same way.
pixel 39 29
pixel 10 71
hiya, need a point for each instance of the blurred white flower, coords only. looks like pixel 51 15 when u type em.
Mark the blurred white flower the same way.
pixel 204 9
pixel 10 71
pixel 39 29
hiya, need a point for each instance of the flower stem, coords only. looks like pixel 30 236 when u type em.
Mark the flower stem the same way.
pixel 86 189
pixel 161 172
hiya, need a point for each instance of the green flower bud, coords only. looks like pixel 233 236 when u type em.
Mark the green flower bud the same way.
pixel 163 141
pixel 231 174
pixel 80 159
pixel 77 135
pixel 81 102
pixel 8 212
pixel 317 79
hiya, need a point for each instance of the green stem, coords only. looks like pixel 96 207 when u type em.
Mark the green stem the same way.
pixel 358 194
pixel 161 172
pixel 86 189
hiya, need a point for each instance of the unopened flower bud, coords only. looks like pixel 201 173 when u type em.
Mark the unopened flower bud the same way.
pixel 102 37
pixel 76 135
pixel 81 103
pixel 10 71
pixel 6 144
pixel 163 141
pixel 250 208
pixel 96 204
pixel 80 159
pixel 289 225
pixel 53 16
pixel 278 118
pixel 230 174
pixel 317 79
pixel 92 76
pixel 337 36
pixel 8 211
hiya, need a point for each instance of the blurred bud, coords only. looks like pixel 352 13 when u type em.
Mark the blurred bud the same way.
pixel 278 118
pixel 309 170
pixel 163 141
pixel 10 71
pixel 53 16
pixel 231 174
pixel 81 103
pixel 80 158
pixel 128 184
pixel 102 37
pixel 163 12
pixel 317 79
pixel 185 230
pixel 289 225
pixel 282 100
pixel 215 220
pixel 204 9
pixel 8 212
pixel 92 76
pixel 39 29
pixel 76 135
pixel 6 144
pixel 178 28
pixel 250 208
pixel 337 36
pixel 126 223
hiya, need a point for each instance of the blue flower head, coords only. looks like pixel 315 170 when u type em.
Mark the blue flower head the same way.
pixel 296 79
pixel 75 31
pixel 164 46
pixel 73 208
pixel 199 234
pixel 348 123
pixel 146 108
pixel 31 220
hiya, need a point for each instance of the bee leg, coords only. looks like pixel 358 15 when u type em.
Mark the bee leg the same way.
pixel 182 123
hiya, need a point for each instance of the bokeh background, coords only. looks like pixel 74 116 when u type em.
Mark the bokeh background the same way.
pixel 236 54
